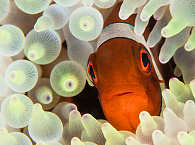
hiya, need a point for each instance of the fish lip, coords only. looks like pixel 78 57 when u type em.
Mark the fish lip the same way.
pixel 124 93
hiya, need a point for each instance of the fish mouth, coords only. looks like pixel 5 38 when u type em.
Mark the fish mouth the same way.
pixel 124 93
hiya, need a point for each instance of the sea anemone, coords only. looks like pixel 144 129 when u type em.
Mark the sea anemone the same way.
pixel 86 23
pixel 42 47
pixel 44 126
pixel 44 51
pixel 17 110
pixel 54 17
pixel 12 40
pixel 21 75
pixel 68 78
pixel 43 93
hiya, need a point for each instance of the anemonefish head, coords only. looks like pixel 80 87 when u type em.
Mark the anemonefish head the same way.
pixel 123 72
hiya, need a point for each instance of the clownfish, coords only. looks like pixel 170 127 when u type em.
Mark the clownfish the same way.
pixel 124 72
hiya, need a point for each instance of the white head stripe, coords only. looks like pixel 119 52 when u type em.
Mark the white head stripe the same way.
pixel 119 30
pixel 125 30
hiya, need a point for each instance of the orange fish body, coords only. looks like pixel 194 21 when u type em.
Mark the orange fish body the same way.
pixel 122 71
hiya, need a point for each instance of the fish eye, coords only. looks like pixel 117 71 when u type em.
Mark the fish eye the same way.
pixel 92 72
pixel 145 60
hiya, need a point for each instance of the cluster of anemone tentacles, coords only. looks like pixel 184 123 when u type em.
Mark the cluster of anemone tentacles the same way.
pixel 35 72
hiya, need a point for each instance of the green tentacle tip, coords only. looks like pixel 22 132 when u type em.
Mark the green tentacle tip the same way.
pixel 16 77
pixel 32 6
pixel 69 82
pixel 13 138
pixel 180 90
pixel 104 3
pixel 158 137
pixel 147 120
pixel 172 102
pixel 170 30
pixel 68 78
pixel 17 110
pixel 43 23
pixel 42 47
pixel 36 51
pixel 44 95
pixel 192 86
pixel 44 126
pixel 111 135
pixel 86 23
pixel 21 75
pixel 184 13
pixel 128 8
pixel 55 17
pixel 165 32
pixel 185 138
pixel 11 40
pixel 190 44
pixel 151 7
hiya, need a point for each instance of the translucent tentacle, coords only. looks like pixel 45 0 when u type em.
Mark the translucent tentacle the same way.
pixel 32 7
pixel 68 78
pixel 181 91
pixel 128 8
pixel 190 44
pixel 155 34
pixel 44 126
pixel 86 23
pixel 172 102
pixel 172 44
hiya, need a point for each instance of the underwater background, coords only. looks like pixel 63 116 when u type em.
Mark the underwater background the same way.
pixel 57 77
